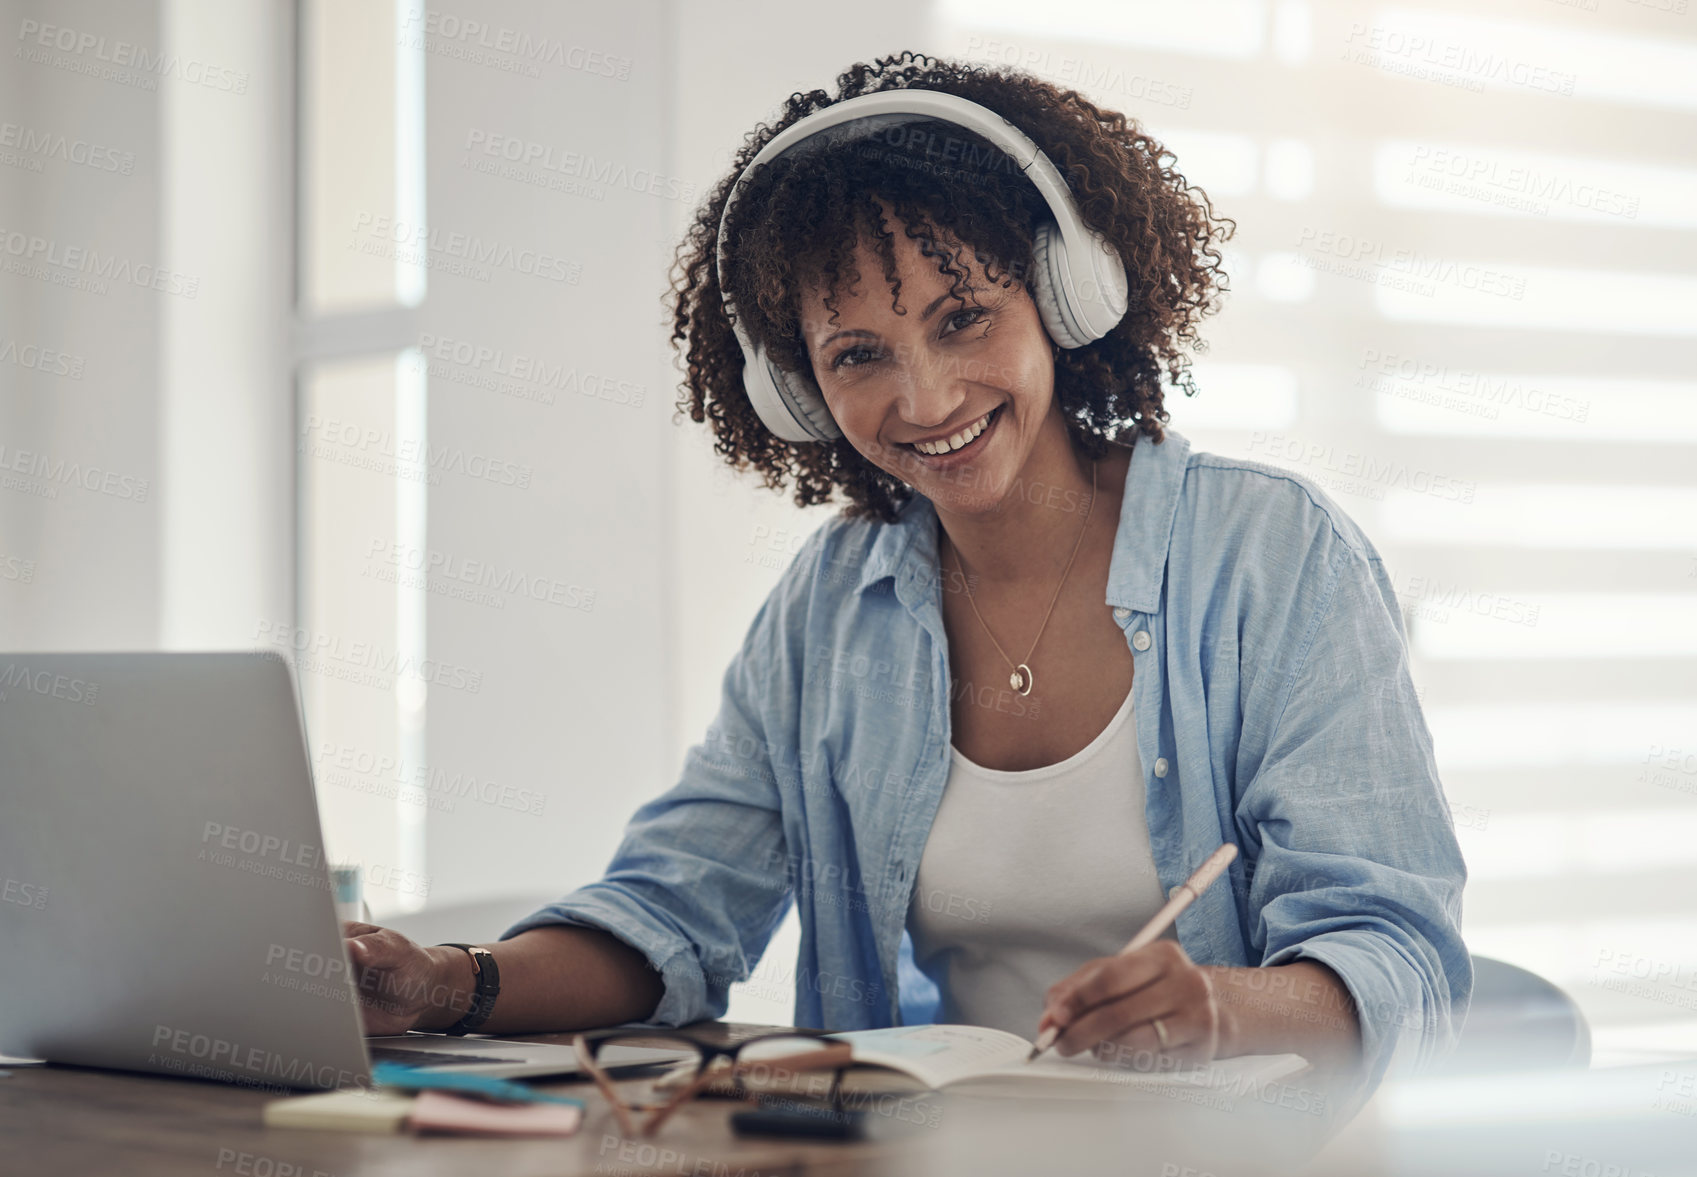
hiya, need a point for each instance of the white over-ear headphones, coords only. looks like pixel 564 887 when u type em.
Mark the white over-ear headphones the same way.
pixel 1078 280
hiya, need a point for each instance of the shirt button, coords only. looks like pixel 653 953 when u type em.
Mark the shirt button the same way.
pixel 1160 767
pixel 1121 614
pixel 1140 640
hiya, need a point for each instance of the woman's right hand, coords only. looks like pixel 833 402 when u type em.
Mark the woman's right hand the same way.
pixel 406 986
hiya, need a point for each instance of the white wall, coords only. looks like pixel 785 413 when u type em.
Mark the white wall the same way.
pixel 181 392
pixel 93 559
pixel 226 502
pixel 574 702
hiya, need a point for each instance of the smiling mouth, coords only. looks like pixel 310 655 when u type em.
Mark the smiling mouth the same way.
pixel 966 438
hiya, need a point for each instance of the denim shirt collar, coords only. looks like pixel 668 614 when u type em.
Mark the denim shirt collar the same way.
pixel 906 550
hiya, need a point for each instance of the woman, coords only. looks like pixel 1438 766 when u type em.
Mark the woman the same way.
pixel 1042 664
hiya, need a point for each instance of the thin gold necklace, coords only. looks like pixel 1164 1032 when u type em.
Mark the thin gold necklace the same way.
pixel 1022 679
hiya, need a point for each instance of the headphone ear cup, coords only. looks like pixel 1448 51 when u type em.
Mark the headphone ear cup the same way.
pixel 806 402
pixel 1047 284
pixel 790 405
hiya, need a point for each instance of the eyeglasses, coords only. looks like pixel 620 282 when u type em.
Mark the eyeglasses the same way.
pixel 767 1058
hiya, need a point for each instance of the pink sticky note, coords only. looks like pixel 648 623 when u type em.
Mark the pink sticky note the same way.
pixel 443 1111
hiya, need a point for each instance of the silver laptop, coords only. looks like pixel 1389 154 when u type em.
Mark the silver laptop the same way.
pixel 165 902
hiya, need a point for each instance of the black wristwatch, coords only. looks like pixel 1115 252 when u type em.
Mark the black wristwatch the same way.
pixel 488 988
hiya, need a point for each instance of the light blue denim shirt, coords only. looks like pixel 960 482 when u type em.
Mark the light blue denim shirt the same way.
pixel 1274 709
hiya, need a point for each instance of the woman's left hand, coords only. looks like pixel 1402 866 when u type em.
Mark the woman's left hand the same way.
pixel 1109 1006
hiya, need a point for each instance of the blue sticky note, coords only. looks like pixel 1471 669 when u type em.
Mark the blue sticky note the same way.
pixel 399 1075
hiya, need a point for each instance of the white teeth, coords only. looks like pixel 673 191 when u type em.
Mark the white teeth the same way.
pixel 960 439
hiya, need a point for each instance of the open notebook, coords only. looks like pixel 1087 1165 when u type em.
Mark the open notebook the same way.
pixel 943 1056
pixel 921 1058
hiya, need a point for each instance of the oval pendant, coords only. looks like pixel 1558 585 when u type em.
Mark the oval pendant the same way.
pixel 1020 679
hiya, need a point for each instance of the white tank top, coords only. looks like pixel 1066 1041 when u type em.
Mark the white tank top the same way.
pixel 1027 875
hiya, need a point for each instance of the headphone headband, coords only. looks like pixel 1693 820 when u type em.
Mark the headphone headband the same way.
pixel 1079 281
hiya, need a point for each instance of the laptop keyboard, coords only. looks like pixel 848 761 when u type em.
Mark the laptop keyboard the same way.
pixel 431 1058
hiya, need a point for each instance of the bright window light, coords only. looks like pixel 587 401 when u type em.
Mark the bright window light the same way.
pixel 1503 181
pixel 1652 518
pixel 1489 293
pixel 1204 28
pixel 1532 845
pixel 1452 401
pixel 1561 64
pixel 1221 164
pixel 1456 621
pixel 1236 396
pixel 1576 948
pixel 1281 277
pixel 1293 32
pixel 1518 735
pixel 1290 169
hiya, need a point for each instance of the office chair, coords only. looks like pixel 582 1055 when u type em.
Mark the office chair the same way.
pixel 1517 1021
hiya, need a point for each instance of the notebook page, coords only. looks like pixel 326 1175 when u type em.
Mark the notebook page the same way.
pixel 1236 1073
pixel 938 1055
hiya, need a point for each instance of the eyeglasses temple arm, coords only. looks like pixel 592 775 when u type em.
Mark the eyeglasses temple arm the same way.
pixel 608 1092
pixel 683 1095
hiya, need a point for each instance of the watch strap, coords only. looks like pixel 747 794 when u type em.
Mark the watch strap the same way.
pixel 488 988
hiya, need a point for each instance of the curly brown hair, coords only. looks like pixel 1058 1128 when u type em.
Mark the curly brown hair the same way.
pixel 801 218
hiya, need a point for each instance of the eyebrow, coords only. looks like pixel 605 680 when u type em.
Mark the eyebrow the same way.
pixel 924 317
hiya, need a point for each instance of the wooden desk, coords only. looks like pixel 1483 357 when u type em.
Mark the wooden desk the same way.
pixel 69 1121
